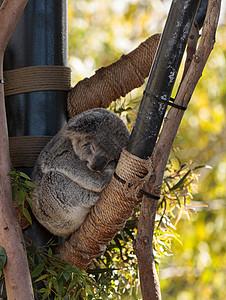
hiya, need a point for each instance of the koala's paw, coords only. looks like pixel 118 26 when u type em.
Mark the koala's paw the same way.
pixel 90 199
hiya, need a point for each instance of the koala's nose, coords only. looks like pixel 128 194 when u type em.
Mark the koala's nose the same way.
pixel 99 164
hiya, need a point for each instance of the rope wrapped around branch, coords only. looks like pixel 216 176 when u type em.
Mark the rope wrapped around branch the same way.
pixel 110 213
pixel 114 81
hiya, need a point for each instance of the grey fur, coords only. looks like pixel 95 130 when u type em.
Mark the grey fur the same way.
pixel 74 168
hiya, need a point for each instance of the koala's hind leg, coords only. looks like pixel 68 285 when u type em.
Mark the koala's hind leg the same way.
pixel 62 205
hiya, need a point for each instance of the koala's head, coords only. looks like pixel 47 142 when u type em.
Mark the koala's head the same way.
pixel 98 136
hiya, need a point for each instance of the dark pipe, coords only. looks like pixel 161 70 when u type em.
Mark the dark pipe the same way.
pixel 162 77
pixel 40 38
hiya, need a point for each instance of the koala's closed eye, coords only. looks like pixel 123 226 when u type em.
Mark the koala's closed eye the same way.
pixel 90 146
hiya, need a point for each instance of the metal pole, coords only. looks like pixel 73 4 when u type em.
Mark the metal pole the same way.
pixel 162 77
pixel 40 38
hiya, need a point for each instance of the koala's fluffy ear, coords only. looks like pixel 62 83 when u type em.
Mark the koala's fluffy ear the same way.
pixel 81 125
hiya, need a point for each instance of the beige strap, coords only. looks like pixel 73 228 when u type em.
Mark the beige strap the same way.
pixel 24 150
pixel 37 78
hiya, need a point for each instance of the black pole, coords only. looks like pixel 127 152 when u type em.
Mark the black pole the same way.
pixel 162 77
pixel 40 38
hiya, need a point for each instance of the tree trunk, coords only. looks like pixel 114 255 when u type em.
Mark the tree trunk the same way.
pixel 16 271
pixel 143 245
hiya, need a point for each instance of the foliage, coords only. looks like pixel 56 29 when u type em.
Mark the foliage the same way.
pixel 197 270
pixel 21 191
pixel 115 273
pixel 52 276
pixel 99 33
pixel 3 258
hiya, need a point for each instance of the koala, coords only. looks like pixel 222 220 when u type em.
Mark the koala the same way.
pixel 74 168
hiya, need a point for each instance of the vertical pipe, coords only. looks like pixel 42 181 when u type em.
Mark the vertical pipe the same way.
pixel 40 38
pixel 162 77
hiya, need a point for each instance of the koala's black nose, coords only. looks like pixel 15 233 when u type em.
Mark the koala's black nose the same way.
pixel 99 164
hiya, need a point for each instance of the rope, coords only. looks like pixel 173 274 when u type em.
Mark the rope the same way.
pixel 24 150
pixel 116 80
pixel 37 78
pixel 110 213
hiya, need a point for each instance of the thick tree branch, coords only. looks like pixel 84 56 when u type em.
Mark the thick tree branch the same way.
pixel 10 13
pixel 16 271
pixel 143 246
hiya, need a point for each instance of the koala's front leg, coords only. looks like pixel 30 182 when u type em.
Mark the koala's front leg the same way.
pixel 62 205
pixel 79 173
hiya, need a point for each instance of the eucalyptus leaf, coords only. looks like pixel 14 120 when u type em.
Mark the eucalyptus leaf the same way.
pixel 20 196
pixel 27 214
pixel 3 257
pixel 22 174
pixel 38 270
pixel 66 276
pixel 180 182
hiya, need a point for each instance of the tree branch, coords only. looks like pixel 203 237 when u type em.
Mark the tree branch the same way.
pixel 10 13
pixel 16 271
pixel 143 245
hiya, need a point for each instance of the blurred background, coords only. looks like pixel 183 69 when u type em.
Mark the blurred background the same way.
pixel 100 31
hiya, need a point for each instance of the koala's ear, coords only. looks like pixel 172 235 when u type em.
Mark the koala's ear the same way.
pixel 81 125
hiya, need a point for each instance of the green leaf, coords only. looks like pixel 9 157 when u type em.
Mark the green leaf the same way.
pixel 182 166
pixel 13 173
pixel 20 196
pixel 14 191
pixel 66 276
pixel 27 214
pixel 56 287
pixel 122 236
pixel 3 257
pixel 41 278
pixel 78 293
pixel 30 184
pixel 202 166
pixel 29 202
pixel 38 270
pixel 52 272
pixel 50 252
pixel 22 174
pixel 180 182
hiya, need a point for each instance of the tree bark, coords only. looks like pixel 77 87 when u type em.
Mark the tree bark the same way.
pixel 143 245
pixel 16 271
